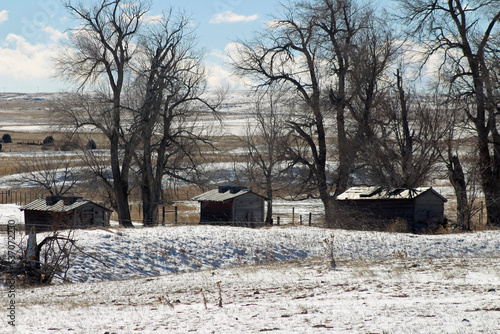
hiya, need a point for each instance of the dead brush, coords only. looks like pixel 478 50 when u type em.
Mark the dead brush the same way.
pixel 166 300
pixel 204 298
pixel 329 249
pixel 400 254
pixel 220 293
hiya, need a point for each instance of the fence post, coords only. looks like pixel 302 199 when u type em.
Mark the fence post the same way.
pixel 175 218
pixel 278 221
pixel 293 215
pixel 163 216
pixel 300 221
pixel 310 219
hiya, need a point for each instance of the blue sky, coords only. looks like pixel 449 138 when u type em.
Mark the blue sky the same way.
pixel 30 30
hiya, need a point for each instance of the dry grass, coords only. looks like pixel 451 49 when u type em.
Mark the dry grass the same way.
pixel 38 113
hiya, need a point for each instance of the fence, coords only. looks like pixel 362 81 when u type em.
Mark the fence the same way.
pixel 18 197
pixel 166 214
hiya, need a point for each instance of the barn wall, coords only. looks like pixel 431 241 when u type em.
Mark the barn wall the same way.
pixel 216 211
pixel 38 219
pixel 248 208
pixel 90 215
pixel 428 206
pixel 384 208
pixel 44 221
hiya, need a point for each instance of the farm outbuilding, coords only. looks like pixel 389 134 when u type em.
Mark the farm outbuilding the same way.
pixel 418 205
pixel 232 205
pixel 57 212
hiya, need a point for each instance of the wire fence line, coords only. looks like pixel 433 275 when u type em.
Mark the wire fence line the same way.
pixel 19 198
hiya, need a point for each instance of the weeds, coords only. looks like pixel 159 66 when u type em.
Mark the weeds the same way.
pixel 220 293
pixel 330 251
pixel 166 300
pixel 204 298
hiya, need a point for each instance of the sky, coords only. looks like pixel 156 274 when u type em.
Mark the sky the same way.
pixel 31 30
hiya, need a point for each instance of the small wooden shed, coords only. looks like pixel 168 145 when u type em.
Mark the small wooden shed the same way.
pixel 231 205
pixel 57 212
pixel 417 205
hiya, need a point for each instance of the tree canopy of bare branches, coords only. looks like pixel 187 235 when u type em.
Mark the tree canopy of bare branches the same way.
pixel 465 33
pixel 146 84
pixel 312 51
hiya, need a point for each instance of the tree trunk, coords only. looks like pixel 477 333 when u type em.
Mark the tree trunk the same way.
pixel 489 165
pixel 269 194
pixel 150 209
pixel 120 185
pixel 457 179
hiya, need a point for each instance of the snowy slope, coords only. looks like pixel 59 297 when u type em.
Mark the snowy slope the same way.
pixel 172 279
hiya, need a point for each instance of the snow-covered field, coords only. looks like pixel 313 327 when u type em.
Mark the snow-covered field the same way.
pixel 173 279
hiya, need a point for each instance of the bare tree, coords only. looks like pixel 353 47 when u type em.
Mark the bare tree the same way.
pixel 266 143
pixel 310 52
pixel 100 55
pixel 457 154
pixel 57 174
pixel 465 34
pixel 404 150
pixel 169 95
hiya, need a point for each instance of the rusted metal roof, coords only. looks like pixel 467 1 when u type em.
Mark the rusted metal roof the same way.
pixel 223 194
pixel 41 205
pixel 381 193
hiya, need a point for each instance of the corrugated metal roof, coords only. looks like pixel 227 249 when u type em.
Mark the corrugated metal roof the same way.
pixel 216 196
pixel 381 193
pixel 41 205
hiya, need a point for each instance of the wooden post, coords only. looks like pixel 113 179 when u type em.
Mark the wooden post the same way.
pixel 278 221
pixel 175 217
pixel 32 258
pixel 163 216
pixel 300 221
pixel 293 215
pixel 481 215
pixel 310 219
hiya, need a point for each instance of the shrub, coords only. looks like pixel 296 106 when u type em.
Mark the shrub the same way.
pixel 6 138
pixel 69 146
pixel 49 140
pixel 91 145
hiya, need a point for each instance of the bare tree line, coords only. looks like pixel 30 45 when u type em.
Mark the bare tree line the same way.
pixel 337 104
pixel 342 61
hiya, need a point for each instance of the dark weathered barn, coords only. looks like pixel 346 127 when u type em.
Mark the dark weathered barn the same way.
pixel 418 205
pixel 56 212
pixel 231 205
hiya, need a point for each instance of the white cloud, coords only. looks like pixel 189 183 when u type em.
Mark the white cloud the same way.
pixel 230 17
pixel 4 16
pixel 220 75
pixel 152 18
pixel 25 61
pixel 54 34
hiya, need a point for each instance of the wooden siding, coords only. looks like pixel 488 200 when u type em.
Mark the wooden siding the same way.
pixel 384 208
pixel 248 208
pixel 87 215
pixel 428 207
pixel 216 211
